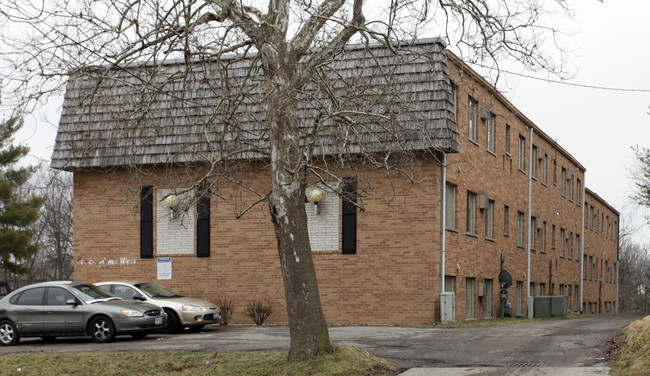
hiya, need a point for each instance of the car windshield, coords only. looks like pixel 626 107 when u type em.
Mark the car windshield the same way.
pixel 92 294
pixel 156 291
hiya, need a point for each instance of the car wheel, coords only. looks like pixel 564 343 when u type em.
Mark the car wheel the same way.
pixel 173 323
pixel 48 338
pixel 8 333
pixel 139 335
pixel 196 328
pixel 101 329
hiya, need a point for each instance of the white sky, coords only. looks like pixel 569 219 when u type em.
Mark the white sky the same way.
pixel 611 48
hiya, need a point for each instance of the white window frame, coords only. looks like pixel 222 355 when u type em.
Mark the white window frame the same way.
pixel 451 207
pixel 489 220
pixel 471 212
pixel 522 154
pixel 472 119
pixel 490 132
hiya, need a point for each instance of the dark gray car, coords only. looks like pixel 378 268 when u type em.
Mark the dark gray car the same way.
pixel 62 309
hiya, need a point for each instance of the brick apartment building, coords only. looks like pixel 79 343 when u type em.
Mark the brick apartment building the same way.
pixel 508 189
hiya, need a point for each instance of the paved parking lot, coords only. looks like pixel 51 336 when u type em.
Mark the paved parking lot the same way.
pixel 531 347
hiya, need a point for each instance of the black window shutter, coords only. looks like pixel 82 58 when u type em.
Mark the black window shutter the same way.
pixel 349 217
pixel 203 224
pixel 146 222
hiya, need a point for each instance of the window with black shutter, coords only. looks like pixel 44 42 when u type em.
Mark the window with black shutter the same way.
pixel 203 224
pixel 349 225
pixel 146 222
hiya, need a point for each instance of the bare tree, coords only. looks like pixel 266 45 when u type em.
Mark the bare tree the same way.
pixel 634 277
pixel 275 63
pixel 54 228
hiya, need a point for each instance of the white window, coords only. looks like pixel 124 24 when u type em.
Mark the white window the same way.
pixel 490 132
pixel 471 213
pixel 489 219
pixel 454 99
pixel 469 298
pixel 507 139
pixel 522 153
pixel 472 119
pixel 520 229
pixel 542 235
pixel 543 166
pixel 520 292
pixel 562 242
pixel 450 283
pixel 451 207
pixel 533 167
pixel 533 222
pixel 487 298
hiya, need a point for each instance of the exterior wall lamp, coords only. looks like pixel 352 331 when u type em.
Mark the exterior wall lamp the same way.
pixel 315 196
pixel 172 203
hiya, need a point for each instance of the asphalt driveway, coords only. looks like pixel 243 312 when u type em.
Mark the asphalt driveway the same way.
pixel 577 342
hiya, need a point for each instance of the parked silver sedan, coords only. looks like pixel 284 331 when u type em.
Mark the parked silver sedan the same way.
pixel 181 311
pixel 62 309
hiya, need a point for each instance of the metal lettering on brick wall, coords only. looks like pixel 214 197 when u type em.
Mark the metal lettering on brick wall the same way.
pixel 107 262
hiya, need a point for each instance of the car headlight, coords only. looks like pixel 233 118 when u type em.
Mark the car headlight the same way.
pixel 191 308
pixel 131 313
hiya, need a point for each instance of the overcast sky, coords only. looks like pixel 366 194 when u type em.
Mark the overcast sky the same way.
pixel 610 48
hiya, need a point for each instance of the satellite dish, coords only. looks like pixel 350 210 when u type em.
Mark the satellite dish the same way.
pixel 505 279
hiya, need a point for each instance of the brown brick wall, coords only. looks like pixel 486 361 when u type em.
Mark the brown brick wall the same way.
pixel 496 174
pixel 391 279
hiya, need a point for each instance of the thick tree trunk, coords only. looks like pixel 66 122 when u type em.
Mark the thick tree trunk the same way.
pixel 307 325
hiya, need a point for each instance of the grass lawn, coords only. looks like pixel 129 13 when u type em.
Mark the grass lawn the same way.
pixel 633 356
pixel 345 361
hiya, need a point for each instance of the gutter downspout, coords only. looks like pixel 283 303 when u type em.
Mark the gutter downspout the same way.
pixel 529 299
pixel 443 220
pixel 443 233
pixel 582 241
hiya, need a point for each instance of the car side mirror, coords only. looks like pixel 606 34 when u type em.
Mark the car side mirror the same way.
pixel 139 297
pixel 72 302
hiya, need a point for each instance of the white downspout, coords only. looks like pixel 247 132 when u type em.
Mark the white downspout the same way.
pixel 443 221
pixel 582 241
pixel 530 215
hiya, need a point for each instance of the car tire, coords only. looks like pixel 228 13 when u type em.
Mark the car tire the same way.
pixel 101 329
pixel 173 323
pixel 9 335
pixel 48 338
pixel 196 328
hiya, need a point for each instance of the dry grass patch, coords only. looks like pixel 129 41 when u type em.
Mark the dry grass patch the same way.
pixel 344 361
pixel 632 356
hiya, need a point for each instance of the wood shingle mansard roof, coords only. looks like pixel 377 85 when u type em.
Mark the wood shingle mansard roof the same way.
pixel 368 99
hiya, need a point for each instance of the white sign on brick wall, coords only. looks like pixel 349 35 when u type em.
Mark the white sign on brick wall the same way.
pixel 164 268
pixel 174 235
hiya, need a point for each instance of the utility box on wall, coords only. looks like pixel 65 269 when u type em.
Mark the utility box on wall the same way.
pixel 447 307
pixel 550 306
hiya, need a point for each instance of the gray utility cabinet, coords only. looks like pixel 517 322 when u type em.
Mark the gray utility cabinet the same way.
pixel 549 306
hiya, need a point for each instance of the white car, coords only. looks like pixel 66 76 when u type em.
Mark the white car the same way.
pixel 181 311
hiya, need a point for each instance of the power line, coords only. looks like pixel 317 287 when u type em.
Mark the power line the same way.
pixel 571 83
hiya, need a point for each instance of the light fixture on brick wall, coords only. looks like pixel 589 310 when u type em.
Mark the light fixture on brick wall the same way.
pixel 172 203
pixel 315 196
